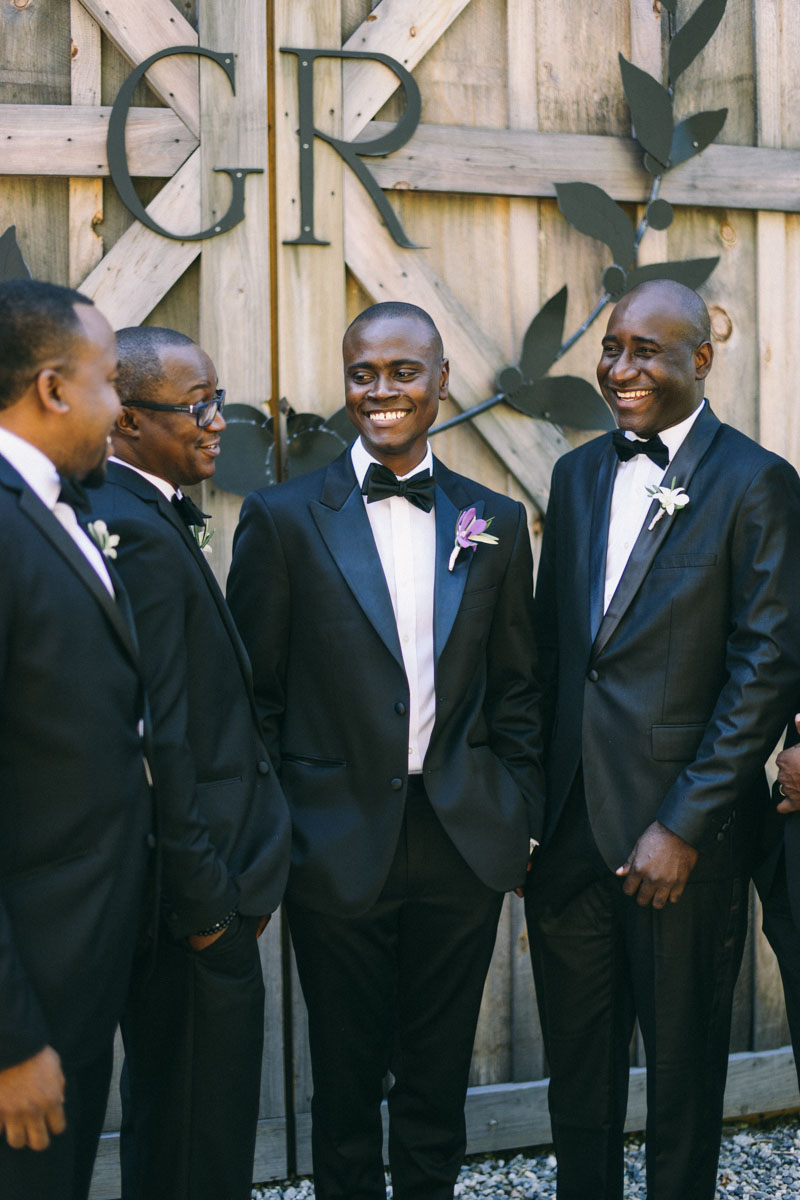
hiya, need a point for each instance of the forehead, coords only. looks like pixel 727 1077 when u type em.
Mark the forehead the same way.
pixel 650 316
pixel 186 367
pixel 96 339
pixel 389 338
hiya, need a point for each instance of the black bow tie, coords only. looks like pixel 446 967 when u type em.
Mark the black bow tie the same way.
pixel 655 449
pixel 73 494
pixel 380 483
pixel 189 512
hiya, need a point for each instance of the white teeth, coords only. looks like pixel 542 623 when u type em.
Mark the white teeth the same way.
pixel 386 417
pixel 634 395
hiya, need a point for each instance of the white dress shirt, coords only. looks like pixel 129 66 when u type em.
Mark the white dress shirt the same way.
pixel 405 537
pixel 41 476
pixel 630 501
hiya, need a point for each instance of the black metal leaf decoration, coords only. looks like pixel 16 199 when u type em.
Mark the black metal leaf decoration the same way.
pixel 246 459
pixel 670 5
pixel 695 133
pixel 543 336
pixel 651 110
pixel 692 272
pixel 593 212
pixel 567 400
pixel 340 424
pixel 12 264
pixel 693 36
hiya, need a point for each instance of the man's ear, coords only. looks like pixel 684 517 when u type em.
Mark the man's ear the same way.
pixel 126 424
pixel 444 378
pixel 703 358
pixel 49 387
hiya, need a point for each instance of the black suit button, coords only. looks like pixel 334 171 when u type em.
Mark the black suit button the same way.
pixel 400 708
pixel 263 767
pixel 593 676
pixel 151 840
pixel 396 784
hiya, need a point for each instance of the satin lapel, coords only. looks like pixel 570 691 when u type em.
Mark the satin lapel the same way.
pixel 448 585
pixel 61 541
pixel 598 537
pixel 649 541
pixel 347 533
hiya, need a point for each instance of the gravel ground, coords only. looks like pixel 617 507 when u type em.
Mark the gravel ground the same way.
pixel 760 1161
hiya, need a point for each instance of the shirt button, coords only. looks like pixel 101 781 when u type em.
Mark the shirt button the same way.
pixel 263 767
pixel 405 637
pixel 410 749
pixel 593 676
pixel 395 784
pixel 400 708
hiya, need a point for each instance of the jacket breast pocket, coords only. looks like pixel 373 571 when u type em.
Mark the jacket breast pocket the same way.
pixel 685 560
pixel 676 743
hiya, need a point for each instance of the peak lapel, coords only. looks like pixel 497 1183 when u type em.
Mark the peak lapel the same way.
pixel 598 536
pixel 649 541
pixel 448 585
pixel 344 527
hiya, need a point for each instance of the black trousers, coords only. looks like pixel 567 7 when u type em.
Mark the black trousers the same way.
pixel 64 1170
pixel 784 937
pixel 397 989
pixel 600 961
pixel 193 1033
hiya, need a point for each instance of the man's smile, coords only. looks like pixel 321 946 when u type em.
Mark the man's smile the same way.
pixel 632 394
pixel 387 416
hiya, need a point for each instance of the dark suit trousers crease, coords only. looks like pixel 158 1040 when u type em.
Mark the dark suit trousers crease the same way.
pixel 64 1170
pixel 193 1033
pixel 599 961
pixel 398 989
pixel 784 937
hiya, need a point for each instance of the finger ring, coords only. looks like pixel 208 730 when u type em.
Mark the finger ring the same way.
pixel 780 789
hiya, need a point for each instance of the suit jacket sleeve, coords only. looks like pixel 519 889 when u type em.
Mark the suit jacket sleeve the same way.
pixel 512 691
pixel 195 880
pixel 763 659
pixel 258 596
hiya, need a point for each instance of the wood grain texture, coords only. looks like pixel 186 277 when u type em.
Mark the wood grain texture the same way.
pixel 85 195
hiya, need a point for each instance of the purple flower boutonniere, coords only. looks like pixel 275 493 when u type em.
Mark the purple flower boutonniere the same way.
pixel 469 531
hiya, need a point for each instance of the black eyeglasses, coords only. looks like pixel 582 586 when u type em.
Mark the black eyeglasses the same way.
pixel 204 412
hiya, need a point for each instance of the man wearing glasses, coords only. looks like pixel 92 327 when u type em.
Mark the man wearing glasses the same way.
pixel 193 1029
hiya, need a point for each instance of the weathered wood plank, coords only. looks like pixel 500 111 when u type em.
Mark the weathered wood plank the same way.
pixel 59 139
pixel 140 30
pixel 515 162
pixel 528 448
pixel 85 195
pixel 142 266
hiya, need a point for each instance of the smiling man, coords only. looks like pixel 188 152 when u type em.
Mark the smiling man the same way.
pixel 669 627
pixel 193 1028
pixel 398 700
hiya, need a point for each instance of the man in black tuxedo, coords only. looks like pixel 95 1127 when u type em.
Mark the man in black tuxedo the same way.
pixel 778 878
pixel 670 636
pixel 75 806
pixel 193 1028
pixel 398 699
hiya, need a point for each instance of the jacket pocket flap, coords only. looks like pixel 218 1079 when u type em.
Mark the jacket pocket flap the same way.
pixel 676 743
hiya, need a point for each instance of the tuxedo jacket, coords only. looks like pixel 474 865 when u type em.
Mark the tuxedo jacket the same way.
pixel 75 808
pixel 310 597
pixel 676 696
pixel 224 822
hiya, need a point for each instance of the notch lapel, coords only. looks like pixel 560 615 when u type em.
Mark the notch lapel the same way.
pixel 344 527
pixel 649 541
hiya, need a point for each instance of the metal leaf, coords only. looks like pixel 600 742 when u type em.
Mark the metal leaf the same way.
pixel 670 5
pixel 565 400
pixel 544 335
pixel 12 264
pixel 247 458
pixel 651 109
pixel 593 212
pixel 693 36
pixel 342 426
pixel 695 133
pixel 692 272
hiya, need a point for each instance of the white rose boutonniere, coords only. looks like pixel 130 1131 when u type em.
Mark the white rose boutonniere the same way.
pixel 670 499
pixel 106 542
pixel 202 535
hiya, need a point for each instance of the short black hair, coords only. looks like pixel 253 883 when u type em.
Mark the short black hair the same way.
pixel 38 323
pixel 140 370
pixel 691 304
pixel 397 308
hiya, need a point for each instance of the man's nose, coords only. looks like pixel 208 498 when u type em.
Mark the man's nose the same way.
pixel 623 369
pixel 219 422
pixel 383 387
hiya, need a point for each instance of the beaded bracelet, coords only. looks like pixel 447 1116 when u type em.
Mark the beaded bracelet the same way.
pixel 217 926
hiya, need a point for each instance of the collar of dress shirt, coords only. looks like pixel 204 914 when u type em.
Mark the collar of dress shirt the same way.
pixel 165 488
pixel 38 471
pixel 674 437
pixel 362 458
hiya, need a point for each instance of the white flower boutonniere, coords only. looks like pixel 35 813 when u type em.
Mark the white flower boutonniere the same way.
pixel 202 535
pixel 670 499
pixel 106 542
pixel 469 531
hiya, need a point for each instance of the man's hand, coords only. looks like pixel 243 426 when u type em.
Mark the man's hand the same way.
pixel 789 776
pixel 199 941
pixel 32 1100
pixel 658 867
